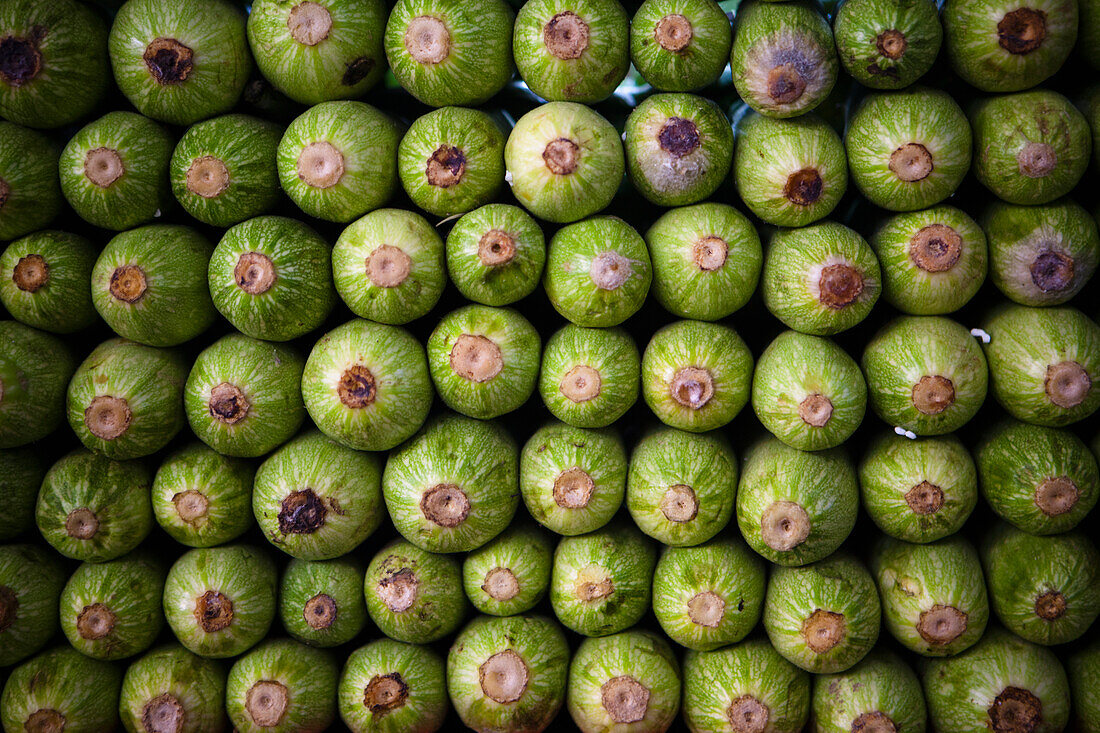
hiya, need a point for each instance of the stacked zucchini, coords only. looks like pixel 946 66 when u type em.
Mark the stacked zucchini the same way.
pixel 417 364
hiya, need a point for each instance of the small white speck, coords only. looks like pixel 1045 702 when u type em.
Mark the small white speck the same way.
pixel 157 214
pixel 980 334
pixel 623 136
pixel 508 177
pixel 905 433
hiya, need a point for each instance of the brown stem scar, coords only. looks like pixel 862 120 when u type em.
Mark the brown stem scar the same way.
pixel 31 273
pixel 941 624
pixel 562 156
pixel 804 187
pixel 573 488
pixel 823 630
pixel 581 384
pixel 566 35
pixel 445 505
pixel 625 699
pixel 1067 384
pixel 255 273
pixel 911 162
pixel 932 394
pixel 935 248
pixel 1022 31
pixel 309 23
pixel 169 61
pixel 674 32
pixel 207 177
pixel 427 40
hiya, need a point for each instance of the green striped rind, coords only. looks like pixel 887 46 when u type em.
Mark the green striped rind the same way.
pixel 885 122
pixel 402 387
pixel 722 568
pixel 480 140
pixel 972 42
pixel 196 684
pixel 478 458
pixel 243 574
pixel 516 344
pixel 563 198
pixel 916 579
pixel 526 553
pixel 793 262
pixel 711 347
pixel 83 691
pixel 860 24
pixel 21 472
pixel 1025 343
pixel 641 655
pixel 541 649
pixel 63 304
pixel 822 483
pixel 347 62
pixel 795 367
pixel 1014 459
pixel 599 68
pixel 346 488
pixel 882 685
pixel 341 580
pixel 664 177
pixel 555 449
pixel 716 680
pixel 617 557
pixel 663 464
pixel 175 304
pixel 140 192
pixel 414 296
pixel 611 352
pixel 690 289
pixel 268 375
pixel 770 151
pixel 1005 125
pixel 35 577
pixel 1021 568
pixel 696 65
pixel 308 676
pixel 246 147
pixel 919 292
pixel 495 284
pixel 768 36
pixel 35 368
pixel 1088 101
pixel 149 380
pixel 117 493
pixel 366 139
pixel 895 465
pixel 1020 235
pixel 1083 667
pixel 75 69
pixel 438 603
pixel 418 668
pixel 131 588
pixel 478 61
pixel 215 32
pixel 840 585
pixel 225 482
pixel 961 691
pixel 28 169
pixel 302 295
pixel 910 348
pixel 578 249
